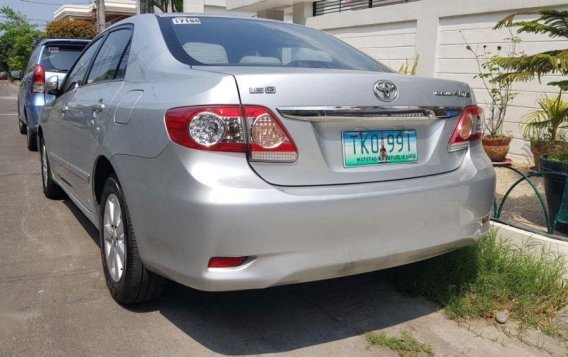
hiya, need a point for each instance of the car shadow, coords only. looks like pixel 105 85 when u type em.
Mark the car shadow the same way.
pixel 287 318
pixel 284 318
pixel 83 220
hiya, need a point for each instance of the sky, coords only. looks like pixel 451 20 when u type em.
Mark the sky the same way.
pixel 38 12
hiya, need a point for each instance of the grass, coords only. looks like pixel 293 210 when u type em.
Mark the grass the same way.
pixel 492 275
pixel 405 345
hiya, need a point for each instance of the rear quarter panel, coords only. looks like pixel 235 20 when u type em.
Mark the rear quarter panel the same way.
pixel 165 83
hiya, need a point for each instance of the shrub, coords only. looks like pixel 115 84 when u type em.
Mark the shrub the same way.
pixel 71 29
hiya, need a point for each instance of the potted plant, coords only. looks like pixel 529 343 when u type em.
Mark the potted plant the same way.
pixel 527 67
pixel 541 126
pixel 499 90
pixel 556 162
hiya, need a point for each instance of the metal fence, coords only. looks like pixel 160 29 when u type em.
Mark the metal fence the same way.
pixel 551 221
pixel 328 7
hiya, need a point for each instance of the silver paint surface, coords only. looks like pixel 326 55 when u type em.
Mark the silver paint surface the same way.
pixel 308 220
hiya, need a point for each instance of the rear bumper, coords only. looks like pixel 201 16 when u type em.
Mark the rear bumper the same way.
pixel 196 205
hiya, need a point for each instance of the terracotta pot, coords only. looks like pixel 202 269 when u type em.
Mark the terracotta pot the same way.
pixel 539 150
pixel 496 148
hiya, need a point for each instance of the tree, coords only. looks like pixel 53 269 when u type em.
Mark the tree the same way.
pixel 16 41
pixel 70 29
pixel 165 5
pixel 524 68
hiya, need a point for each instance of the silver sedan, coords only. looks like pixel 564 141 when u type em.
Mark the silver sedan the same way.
pixel 235 153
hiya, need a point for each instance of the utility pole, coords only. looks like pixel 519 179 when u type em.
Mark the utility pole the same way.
pixel 100 16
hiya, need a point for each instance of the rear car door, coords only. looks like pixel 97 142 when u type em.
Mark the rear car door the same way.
pixel 55 134
pixel 93 105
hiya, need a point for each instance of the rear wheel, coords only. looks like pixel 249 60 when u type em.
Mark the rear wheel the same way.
pixel 32 140
pixel 127 279
pixel 50 189
pixel 23 128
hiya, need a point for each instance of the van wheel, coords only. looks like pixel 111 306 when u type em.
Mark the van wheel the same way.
pixel 50 189
pixel 23 128
pixel 127 279
pixel 32 140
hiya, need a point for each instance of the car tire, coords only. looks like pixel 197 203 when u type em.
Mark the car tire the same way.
pixel 128 281
pixel 32 140
pixel 23 128
pixel 50 189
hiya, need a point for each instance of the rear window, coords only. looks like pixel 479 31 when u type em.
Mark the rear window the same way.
pixel 56 58
pixel 216 41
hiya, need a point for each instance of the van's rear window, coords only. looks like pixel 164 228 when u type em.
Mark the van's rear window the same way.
pixel 218 41
pixel 56 58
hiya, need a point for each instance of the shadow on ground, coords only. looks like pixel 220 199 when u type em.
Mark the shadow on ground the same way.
pixel 283 318
pixel 83 220
pixel 286 318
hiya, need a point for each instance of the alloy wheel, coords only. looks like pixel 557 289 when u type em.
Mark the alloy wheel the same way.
pixel 114 239
pixel 44 168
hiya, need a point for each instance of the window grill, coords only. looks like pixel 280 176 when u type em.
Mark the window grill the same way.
pixel 332 6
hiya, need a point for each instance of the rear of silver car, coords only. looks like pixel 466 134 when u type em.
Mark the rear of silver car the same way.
pixel 306 173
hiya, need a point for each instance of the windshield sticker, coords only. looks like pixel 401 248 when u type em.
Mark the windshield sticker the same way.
pixel 186 21
pixel 53 49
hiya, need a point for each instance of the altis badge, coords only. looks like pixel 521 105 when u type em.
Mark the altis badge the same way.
pixel 449 93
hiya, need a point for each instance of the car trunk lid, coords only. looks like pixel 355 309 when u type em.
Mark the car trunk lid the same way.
pixel 324 111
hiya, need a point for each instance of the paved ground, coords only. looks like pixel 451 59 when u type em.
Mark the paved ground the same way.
pixel 54 302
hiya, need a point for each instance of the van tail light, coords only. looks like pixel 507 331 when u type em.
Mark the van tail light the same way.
pixel 468 128
pixel 224 128
pixel 38 83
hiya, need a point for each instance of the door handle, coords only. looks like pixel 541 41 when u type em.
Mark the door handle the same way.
pixel 98 107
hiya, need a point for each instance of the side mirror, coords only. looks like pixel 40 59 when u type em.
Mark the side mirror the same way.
pixel 16 74
pixel 52 85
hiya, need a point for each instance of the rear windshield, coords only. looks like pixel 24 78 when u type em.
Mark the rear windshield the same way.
pixel 216 41
pixel 59 58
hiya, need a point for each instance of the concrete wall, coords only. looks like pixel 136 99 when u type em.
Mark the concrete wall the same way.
pixel 435 30
pixel 392 43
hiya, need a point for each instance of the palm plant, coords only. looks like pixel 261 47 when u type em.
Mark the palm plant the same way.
pixel 544 123
pixel 405 68
pixel 524 68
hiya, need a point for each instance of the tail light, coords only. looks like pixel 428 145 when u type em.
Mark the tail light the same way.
pixel 468 128
pixel 269 141
pixel 38 83
pixel 251 129
pixel 215 128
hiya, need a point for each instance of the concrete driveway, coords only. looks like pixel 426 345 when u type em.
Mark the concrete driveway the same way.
pixel 54 302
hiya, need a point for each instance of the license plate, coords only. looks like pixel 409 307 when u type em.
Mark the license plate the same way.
pixel 375 147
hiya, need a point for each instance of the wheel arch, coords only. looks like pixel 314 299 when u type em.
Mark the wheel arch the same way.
pixel 102 170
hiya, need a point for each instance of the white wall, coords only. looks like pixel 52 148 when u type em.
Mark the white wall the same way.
pixel 455 62
pixel 432 29
pixel 393 43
